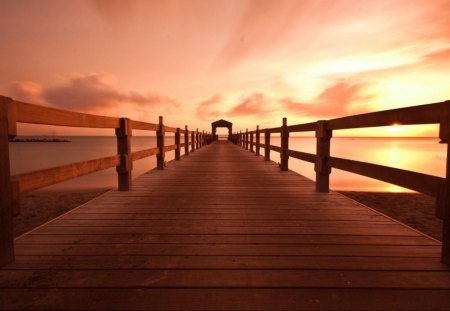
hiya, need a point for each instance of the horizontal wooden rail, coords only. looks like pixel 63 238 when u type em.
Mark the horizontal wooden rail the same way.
pixel 275 130
pixel 423 114
pixel 170 129
pixel 275 148
pixel 308 157
pixel 50 176
pixel 137 155
pixel 29 113
pixel 139 125
pixel 170 148
pixel 419 182
pixel 307 127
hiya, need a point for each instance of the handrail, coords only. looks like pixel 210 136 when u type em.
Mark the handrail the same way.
pixel 13 112
pixel 435 113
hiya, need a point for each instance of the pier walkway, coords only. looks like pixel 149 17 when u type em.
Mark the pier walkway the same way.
pixel 222 229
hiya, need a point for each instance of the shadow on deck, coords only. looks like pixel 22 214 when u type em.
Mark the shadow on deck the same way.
pixel 222 230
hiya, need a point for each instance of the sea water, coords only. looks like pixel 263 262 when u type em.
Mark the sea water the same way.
pixel 424 155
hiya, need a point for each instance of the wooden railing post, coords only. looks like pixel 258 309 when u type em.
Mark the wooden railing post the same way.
pixel 192 141
pixel 196 139
pixel 241 139
pixel 284 156
pixel 160 144
pixel 202 141
pixel 257 140
pixel 177 142
pixel 322 168
pixel 7 130
pixel 266 145
pixel 443 198
pixel 186 140
pixel 251 142
pixel 123 134
pixel 246 139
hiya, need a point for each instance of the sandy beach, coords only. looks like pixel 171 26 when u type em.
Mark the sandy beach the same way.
pixel 39 207
pixel 415 210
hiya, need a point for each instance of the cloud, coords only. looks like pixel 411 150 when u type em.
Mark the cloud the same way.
pixel 88 92
pixel 27 91
pixel 336 100
pixel 205 109
pixel 253 105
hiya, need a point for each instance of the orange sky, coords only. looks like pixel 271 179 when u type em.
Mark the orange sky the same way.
pixel 250 62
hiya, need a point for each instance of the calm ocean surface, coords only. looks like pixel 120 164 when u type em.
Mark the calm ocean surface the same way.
pixel 423 155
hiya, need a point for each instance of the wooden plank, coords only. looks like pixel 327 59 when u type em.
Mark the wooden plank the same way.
pixel 431 251
pixel 424 183
pixel 355 263
pixel 236 239
pixel 29 113
pixel 225 299
pixel 46 177
pixel 275 279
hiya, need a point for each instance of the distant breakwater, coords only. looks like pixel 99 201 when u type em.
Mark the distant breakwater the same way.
pixel 39 140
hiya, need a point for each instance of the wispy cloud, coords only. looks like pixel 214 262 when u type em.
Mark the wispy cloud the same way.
pixel 206 109
pixel 253 105
pixel 335 101
pixel 89 92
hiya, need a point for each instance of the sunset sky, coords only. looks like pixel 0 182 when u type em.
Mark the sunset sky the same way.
pixel 250 62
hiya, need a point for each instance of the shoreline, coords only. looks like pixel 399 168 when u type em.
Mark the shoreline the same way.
pixel 41 206
pixel 414 209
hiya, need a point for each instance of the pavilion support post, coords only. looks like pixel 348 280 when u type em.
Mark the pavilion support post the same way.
pixel 252 144
pixel 246 139
pixel 178 144
pixel 284 156
pixel 192 141
pixel 160 144
pixel 186 140
pixel 322 167
pixel 257 140
pixel 443 198
pixel 266 145
pixel 123 134
pixel 7 130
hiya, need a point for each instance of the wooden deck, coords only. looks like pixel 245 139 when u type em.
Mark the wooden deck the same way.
pixel 224 230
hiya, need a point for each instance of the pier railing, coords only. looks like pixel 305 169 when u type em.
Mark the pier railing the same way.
pixel 13 112
pixel 437 187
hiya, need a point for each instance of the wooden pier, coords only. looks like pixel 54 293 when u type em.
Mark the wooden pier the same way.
pixel 222 229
